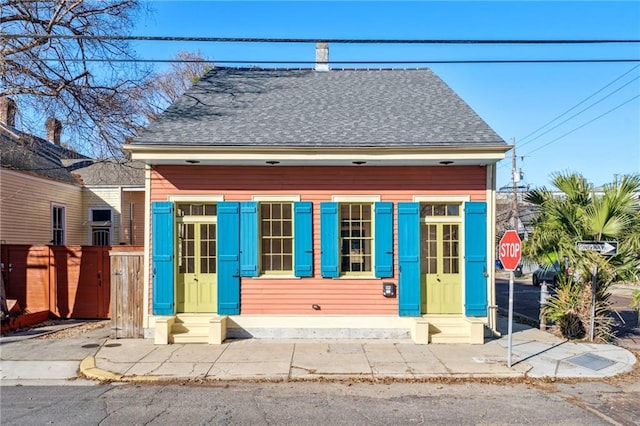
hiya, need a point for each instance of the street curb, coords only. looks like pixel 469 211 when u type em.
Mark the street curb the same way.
pixel 89 370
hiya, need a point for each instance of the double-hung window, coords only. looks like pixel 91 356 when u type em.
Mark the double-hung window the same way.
pixel 276 237
pixel 356 239
pixel 57 225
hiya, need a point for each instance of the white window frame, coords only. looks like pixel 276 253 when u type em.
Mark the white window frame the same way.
pixel 96 224
pixel 359 199
pixel 63 207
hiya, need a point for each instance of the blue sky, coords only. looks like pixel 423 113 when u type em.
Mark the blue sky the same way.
pixel 593 109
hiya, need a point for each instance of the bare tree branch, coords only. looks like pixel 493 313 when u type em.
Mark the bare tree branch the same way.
pixel 98 105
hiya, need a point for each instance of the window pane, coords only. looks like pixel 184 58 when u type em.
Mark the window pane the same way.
pixel 276 229
pixel 265 228
pixel 287 245
pixel 453 210
pixel 275 211
pixel 100 215
pixel 286 211
pixel 439 210
pixel 427 210
pixel 366 212
pixel 265 210
pixel 266 263
pixel 210 209
pixel 286 229
pixel 287 263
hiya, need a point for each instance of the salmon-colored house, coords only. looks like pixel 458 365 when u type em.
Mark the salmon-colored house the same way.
pixel 320 203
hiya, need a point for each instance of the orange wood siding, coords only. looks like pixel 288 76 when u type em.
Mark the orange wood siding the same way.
pixel 318 184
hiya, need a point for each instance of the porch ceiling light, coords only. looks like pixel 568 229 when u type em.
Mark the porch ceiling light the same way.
pixel 272 162
pixel 192 161
pixel 446 162
pixel 358 163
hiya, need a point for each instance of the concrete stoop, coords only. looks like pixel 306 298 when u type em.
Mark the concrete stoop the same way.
pixel 191 328
pixel 214 329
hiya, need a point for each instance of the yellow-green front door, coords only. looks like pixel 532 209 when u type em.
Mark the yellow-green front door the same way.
pixel 197 289
pixel 440 268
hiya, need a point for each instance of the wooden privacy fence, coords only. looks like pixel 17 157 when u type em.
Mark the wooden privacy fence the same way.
pixel 67 281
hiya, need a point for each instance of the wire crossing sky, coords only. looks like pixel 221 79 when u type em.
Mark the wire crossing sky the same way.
pixel 561 79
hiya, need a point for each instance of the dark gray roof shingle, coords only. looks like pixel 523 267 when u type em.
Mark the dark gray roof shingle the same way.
pixel 27 153
pixel 112 172
pixel 339 108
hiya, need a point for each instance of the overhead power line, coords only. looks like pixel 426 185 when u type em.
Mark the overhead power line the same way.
pixel 577 105
pixel 586 123
pixel 313 40
pixel 360 62
pixel 581 111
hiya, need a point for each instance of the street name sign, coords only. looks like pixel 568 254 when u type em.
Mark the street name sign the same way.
pixel 510 250
pixel 606 248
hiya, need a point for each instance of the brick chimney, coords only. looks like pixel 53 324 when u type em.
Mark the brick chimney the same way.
pixel 54 130
pixel 8 111
pixel 322 56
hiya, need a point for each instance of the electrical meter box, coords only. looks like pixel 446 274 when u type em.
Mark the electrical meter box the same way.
pixel 388 289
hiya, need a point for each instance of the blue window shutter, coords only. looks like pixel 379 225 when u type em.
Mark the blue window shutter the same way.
pixel 329 253
pixel 162 257
pixel 384 239
pixel 249 239
pixel 303 238
pixel 409 259
pixel 228 258
pixel 475 242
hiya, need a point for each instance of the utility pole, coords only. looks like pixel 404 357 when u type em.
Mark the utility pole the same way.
pixel 514 182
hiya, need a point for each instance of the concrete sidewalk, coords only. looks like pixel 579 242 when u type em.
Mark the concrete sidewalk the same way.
pixel 94 356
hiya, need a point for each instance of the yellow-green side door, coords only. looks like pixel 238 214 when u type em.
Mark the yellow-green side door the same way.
pixel 440 268
pixel 196 282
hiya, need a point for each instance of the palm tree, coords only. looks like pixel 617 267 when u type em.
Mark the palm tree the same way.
pixel 575 212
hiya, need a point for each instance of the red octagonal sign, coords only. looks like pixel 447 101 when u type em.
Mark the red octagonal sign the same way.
pixel 510 250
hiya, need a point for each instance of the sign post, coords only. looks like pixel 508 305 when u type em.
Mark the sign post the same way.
pixel 605 248
pixel 510 252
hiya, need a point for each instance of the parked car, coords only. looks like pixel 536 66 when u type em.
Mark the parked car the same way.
pixel 546 273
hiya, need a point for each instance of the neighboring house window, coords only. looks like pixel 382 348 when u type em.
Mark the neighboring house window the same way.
pixel 356 238
pixel 100 227
pixel 58 225
pixel 276 237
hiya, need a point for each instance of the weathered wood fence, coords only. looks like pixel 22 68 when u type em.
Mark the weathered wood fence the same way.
pixel 127 292
pixel 76 282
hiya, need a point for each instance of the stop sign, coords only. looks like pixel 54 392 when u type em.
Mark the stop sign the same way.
pixel 509 250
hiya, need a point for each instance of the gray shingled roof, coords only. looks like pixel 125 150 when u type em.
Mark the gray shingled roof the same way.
pixel 339 108
pixel 112 172
pixel 27 153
